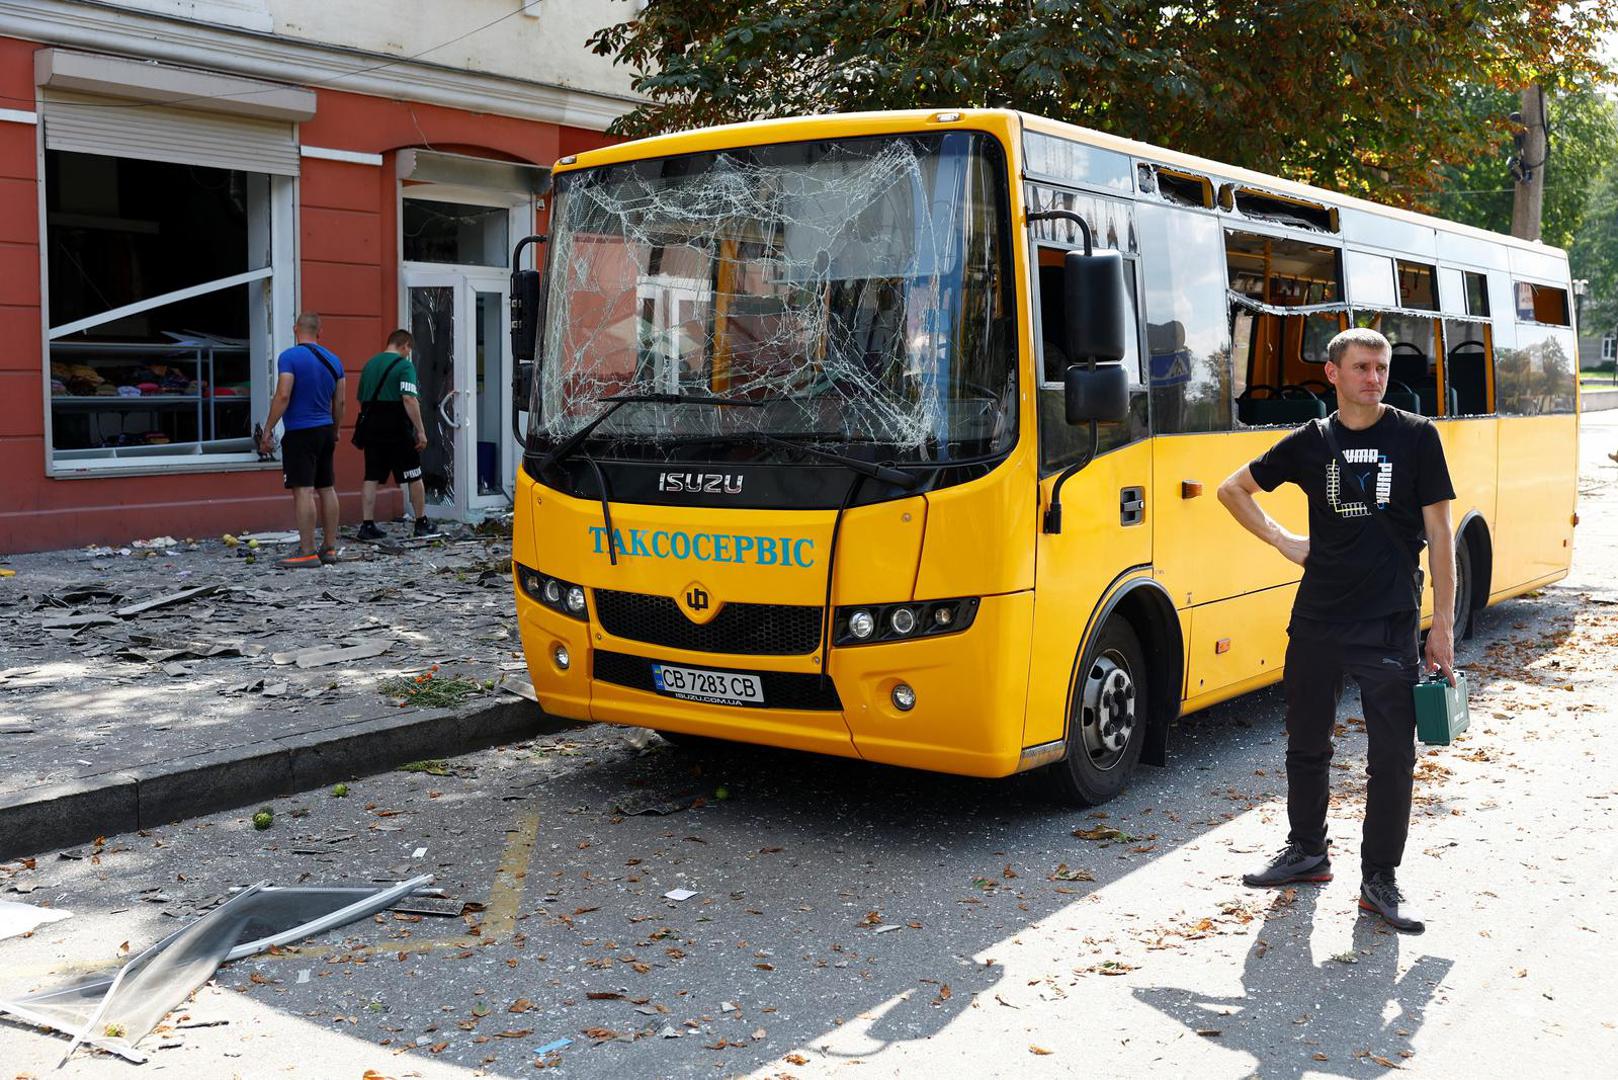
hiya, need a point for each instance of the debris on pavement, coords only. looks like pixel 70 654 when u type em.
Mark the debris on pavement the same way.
pixel 116 1013
pixel 652 803
pixel 157 602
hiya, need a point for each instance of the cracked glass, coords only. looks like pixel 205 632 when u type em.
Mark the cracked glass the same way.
pixel 857 293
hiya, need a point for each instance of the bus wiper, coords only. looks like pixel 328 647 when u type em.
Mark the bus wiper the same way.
pixel 864 468
pixel 567 446
pixel 571 444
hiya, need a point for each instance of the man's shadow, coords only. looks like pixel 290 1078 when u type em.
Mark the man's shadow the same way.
pixel 1297 1016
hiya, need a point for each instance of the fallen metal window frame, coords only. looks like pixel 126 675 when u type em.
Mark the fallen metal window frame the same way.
pixel 365 902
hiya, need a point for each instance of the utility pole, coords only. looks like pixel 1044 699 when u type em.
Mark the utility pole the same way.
pixel 1528 167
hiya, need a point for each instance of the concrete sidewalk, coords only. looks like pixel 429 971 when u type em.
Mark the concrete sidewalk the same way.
pixel 244 681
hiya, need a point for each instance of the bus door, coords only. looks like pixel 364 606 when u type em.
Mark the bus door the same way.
pixel 1106 510
pixel 1232 592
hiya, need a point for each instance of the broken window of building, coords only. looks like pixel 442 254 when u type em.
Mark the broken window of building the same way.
pixel 159 296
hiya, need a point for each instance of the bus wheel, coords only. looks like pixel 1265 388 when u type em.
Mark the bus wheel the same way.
pixel 1463 590
pixel 1107 725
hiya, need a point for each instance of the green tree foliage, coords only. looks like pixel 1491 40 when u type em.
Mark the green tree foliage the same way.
pixel 1354 95
pixel 1595 254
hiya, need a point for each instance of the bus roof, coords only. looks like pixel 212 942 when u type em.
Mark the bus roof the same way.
pixel 799 128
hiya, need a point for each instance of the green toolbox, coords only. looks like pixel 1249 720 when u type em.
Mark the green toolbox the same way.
pixel 1440 709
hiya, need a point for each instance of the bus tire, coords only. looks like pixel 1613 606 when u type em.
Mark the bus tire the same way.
pixel 1107 719
pixel 1463 590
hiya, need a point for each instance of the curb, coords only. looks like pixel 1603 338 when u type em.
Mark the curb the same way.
pixel 62 815
pixel 1592 400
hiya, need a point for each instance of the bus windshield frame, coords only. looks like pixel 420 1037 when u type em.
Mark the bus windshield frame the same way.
pixel 860 291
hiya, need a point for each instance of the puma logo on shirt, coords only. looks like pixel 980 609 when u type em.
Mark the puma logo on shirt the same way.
pixel 1380 466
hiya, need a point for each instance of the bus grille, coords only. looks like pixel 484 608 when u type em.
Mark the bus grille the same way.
pixel 749 629
pixel 782 689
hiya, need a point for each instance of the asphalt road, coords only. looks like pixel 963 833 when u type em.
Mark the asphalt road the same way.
pixel 855 920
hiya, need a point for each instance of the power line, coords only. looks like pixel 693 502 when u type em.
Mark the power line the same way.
pixel 274 89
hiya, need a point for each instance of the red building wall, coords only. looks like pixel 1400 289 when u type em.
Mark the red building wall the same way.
pixel 348 272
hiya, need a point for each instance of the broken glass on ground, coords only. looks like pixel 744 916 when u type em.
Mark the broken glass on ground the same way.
pixel 322 655
pixel 116 1013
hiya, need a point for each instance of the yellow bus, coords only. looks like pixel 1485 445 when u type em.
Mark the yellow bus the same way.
pixel 895 435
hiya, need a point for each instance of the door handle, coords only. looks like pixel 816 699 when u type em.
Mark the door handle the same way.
pixel 1131 506
pixel 444 415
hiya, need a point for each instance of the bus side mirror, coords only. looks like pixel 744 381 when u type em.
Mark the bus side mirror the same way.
pixel 1093 301
pixel 1099 393
pixel 524 315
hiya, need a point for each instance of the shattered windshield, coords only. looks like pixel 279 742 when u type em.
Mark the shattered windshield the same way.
pixel 860 289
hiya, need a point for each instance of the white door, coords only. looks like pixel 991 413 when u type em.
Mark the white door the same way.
pixel 463 374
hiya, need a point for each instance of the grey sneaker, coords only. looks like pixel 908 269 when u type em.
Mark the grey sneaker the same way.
pixel 1291 865
pixel 424 527
pixel 1380 895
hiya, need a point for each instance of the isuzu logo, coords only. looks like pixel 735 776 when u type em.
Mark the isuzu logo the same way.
pixel 701 483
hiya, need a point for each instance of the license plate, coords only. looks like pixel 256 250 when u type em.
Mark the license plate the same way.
pixel 699 684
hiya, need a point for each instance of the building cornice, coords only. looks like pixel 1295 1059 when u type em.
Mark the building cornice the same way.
pixel 112 29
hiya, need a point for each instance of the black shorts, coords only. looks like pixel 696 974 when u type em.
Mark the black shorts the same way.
pixel 306 457
pixel 395 454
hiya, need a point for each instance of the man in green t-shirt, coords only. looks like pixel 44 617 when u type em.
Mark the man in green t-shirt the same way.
pixel 394 434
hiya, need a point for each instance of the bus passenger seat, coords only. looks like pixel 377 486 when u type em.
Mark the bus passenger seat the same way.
pixel 1409 366
pixel 1467 380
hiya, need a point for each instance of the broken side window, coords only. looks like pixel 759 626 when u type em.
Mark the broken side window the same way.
pixel 1286 303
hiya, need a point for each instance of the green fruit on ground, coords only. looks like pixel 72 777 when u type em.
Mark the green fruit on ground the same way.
pixel 263 819
pixel 721 793
pixel 340 791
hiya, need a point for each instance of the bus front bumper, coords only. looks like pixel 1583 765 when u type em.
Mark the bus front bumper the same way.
pixel 969 690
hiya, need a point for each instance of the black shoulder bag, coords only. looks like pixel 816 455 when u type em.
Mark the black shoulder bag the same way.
pixel 359 436
pixel 1351 479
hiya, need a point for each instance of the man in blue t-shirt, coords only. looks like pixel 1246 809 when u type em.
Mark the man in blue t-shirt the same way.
pixel 309 398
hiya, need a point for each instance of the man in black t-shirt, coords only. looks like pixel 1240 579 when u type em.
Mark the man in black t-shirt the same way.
pixel 1358 609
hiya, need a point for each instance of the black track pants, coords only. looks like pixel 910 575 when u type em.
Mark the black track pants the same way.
pixel 1382 657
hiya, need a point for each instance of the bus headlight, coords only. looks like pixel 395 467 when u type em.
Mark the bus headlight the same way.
pixel 876 623
pixel 554 593
pixel 904 698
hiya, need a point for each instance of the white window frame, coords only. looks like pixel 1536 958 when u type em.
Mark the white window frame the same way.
pixel 268 334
